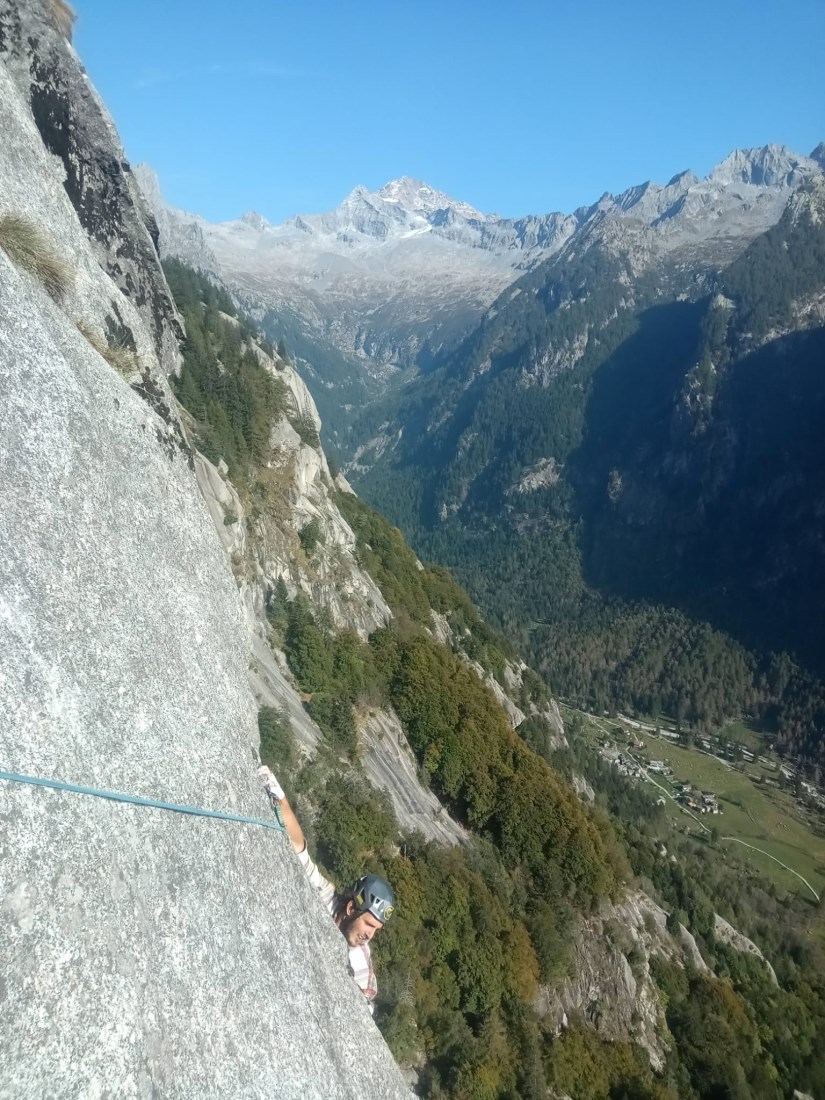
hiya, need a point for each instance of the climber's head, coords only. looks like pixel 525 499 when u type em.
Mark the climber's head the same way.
pixel 370 904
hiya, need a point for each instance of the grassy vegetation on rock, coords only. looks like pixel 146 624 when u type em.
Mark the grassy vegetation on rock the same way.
pixel 63 17
pixel 27 248
pixel 117 353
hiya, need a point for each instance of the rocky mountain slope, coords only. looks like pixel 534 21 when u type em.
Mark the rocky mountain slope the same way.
pixel 146 591
pixel 137 653
pixel 611 984
pixel 265 549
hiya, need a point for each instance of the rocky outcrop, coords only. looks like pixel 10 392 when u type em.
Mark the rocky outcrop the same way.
pixel 514 713
pixel 582 788
pixel 390 766
pixel 611 987
pixel 77 148
pixel 31 188
pixel 505 690
pixel 267 548
pixel 180 236
pixel 299 477
pixel 727 934
pixel 144 953
pixel 540 474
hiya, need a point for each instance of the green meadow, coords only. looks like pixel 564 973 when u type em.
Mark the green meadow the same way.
pixel 753 812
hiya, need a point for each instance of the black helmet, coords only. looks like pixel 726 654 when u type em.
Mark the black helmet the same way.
pixel 373 894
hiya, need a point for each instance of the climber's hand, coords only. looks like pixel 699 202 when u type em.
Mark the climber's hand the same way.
pixel 271 785
pixel 281 806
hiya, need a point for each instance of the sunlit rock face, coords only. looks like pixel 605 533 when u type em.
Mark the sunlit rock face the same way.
pixel 610 985
pixel 144 953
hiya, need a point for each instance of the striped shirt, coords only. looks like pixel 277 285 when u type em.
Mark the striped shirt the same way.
pixel 360 962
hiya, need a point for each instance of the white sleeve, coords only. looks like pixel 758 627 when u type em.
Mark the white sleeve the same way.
pixel 324 887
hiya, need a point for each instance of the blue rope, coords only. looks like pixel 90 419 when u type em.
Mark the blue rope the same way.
pixel 136 800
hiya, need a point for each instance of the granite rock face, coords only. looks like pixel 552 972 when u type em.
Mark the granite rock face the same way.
pixel 144 953
pixel 726 933
pixel 390 766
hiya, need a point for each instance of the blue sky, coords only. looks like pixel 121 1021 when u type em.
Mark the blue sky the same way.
pixel 516 107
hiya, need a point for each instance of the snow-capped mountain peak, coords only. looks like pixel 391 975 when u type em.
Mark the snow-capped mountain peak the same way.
pixel 401 209
pixel 390 268
pixel 420 198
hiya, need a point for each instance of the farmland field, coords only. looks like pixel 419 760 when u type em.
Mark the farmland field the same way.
pixel 745 733
pixel 753 813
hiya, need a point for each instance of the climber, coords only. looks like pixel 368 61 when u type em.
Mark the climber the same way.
pixel 359 912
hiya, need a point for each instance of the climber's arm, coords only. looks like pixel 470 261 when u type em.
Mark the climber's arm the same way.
pixel 281 806
pixel 292 826
pixel 280 803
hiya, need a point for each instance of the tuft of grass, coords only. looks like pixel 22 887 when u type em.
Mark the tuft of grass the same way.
pixel 62 16
pixel 28 249
pixel 117 354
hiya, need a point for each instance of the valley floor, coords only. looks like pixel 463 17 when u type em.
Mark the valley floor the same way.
pixel 754 809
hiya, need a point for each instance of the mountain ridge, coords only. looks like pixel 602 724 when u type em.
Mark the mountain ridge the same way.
pixel 394 278
pixel 619 379
pixel 771 166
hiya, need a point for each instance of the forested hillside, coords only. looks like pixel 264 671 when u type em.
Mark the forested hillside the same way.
pixel 482 929
pixel 625 468
pixel 485 930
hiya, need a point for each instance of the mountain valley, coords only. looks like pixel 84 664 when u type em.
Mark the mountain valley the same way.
pixel 621 459
pixel 623 401
pixel 592 776
pixel 622 434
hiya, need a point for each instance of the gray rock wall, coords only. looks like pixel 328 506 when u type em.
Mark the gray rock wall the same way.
pixel 610 987
pixel 390 766
pixel 142 953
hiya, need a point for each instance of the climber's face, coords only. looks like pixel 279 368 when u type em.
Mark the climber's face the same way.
pixel 359 928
